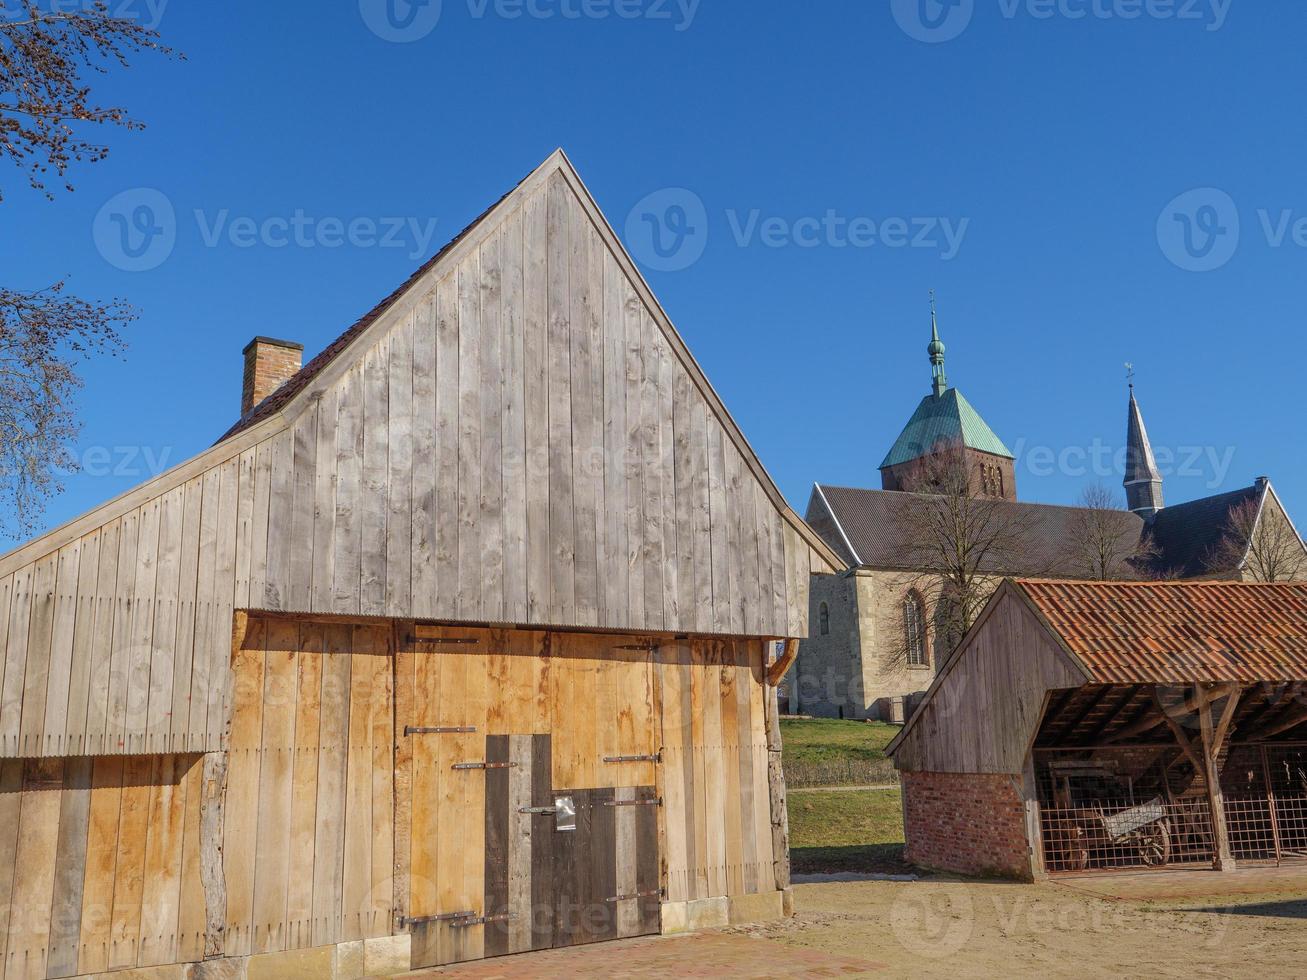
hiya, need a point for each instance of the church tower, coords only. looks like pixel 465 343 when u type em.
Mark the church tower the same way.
pixel 1143 481
pixel 946 421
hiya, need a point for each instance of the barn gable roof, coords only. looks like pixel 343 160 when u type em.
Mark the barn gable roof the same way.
pixel 279 410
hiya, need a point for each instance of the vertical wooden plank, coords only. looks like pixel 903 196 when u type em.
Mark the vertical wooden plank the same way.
pixel 161 652
pixel 646 868
pixel 425 782
pixel 297 586
pixel 627 911
pixel 562 526
pixel 101 863
pixel 668 369
pixel 491 459
pixel 161 888
pixel 585 417
pixel 272 843
pixel 614 568
pixel 304 794
pixel 281 516
pixel 11 801
pixel 324 501
pixel 603 864
pixel 399 485
pixel 348 544
pixel 447 438
pixel 240 811
pixel 131 727
pixel 651 457
pixel 744 683
pixel 70 867
pixel 512 420
pixel 329 834
pixel 594 323
pixel 543 835
pixel 179 724
pixel 729 760
pixel 536 402
pixel 260 523
pixel 633 453
pixel 476 697
pixel 519 843
pixel 381 706
pixel 758 743
pixel 54 738
pixel 16 605
pixel 674 724
pixel 469 439
pixel 219 632
pixel 37 668
pixel 244 527
pixel 496 857
pixel 34 868
pixel 725 619
pixel 129 874
pixel 406 703
pixel 709 744
pixel 424 463
pixel 191 910
pixel 372 502
pixel 684 469
pixel 356 881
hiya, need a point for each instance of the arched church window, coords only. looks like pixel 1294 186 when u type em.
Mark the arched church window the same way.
pixel 823 619
pixel 914 630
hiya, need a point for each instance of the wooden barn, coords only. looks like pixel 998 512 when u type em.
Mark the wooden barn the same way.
pixel 1096 727
pixel 461 642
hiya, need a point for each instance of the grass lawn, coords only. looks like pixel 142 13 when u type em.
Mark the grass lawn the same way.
pixel 846 830
pixel 829 752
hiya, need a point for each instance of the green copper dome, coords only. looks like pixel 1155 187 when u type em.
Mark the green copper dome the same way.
pixel 947 418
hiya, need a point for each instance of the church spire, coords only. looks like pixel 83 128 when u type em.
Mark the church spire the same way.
pixel 1143 481
pixel 936 352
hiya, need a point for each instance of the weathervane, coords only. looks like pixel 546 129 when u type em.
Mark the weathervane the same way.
pixel 1130 374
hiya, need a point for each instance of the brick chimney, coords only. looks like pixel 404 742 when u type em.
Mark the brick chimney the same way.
pixel 269 364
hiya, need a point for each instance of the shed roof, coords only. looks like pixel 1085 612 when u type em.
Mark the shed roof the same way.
pixel 1178 632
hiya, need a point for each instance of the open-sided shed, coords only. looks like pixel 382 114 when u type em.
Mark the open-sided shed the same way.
pixel 458 643
pixel 1088 726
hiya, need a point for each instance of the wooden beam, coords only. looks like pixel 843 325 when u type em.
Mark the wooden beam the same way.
pixel 1289 719
pixel 780 817
pixel 777 671
pixel 1227 716
pixel 1180 737
pixel 1160 713
pixel 1211 770
pixel 1090 707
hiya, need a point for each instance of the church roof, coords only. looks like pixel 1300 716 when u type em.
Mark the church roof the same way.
pixel 944 418
pixel 1188 536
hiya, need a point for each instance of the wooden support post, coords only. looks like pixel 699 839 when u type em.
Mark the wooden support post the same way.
pixel 780 818
pixel 1212 738
pixel 212 877
pixel 1180 737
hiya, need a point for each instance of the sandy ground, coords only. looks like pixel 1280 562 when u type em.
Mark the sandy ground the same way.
pixel 1138 926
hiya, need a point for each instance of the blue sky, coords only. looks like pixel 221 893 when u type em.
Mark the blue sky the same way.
pixel 813 171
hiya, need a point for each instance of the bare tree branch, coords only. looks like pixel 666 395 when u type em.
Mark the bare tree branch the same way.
pixel 1106 543
pixel 1260 542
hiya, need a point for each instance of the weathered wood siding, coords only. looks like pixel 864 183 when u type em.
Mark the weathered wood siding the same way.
pixel 521 438
pixel 99 864
pixel 983 711
pixel 308 832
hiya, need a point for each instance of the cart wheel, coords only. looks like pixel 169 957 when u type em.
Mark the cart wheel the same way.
pixel 1154 843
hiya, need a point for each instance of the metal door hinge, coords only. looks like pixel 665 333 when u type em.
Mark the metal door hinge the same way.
pixel 478 920
pixel 413 920
pixel 657 802
pixel 448 641
pixel 647 647
pixel 424 730
pixel 537 809
pixel 648 894
pixel 657 757
pixel 484 765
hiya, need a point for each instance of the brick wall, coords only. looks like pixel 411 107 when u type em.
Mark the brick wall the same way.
pixel 268 363
pixel 969 823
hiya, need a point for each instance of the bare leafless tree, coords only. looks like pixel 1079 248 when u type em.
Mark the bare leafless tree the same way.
pixel 1260 541
pixel 46 110
pixel 1105 540
pixel 959 543
pixel 46 105
pixel 43 336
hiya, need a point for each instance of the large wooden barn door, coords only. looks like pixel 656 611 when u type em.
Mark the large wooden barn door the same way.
pixel 525 803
